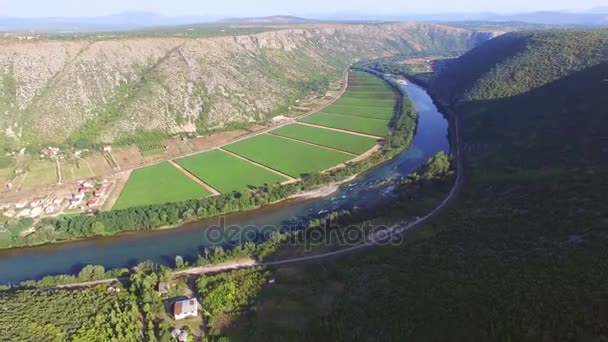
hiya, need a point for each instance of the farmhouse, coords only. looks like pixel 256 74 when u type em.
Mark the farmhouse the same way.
pixel 185 308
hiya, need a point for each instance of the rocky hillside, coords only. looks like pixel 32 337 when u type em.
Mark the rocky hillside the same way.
pixel 53 90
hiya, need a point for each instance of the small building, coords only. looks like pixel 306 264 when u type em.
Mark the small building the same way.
pixel 36 211
pixel 185 308
pixel 21 204
pixel 86 184
pixel 107 148
pixel 93 202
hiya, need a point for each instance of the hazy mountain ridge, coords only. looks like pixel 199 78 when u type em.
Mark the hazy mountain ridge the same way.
pixel 101 89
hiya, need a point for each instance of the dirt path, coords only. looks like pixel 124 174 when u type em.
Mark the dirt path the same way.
pixel 341 130
pixel 59 176
pixel 116 190
pixel 114 160
pixel 194 178
pixel 289 178
pixel 311 144
pixel 88 167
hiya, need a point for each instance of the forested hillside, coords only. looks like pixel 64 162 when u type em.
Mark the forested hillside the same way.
pixel 519 61
pixel 101 89
pixel 522 254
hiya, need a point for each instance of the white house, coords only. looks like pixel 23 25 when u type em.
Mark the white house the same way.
pixel 185 308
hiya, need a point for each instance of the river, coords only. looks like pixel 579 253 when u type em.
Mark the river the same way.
pixel 188 241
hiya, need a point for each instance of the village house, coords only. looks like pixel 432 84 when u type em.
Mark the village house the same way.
pixel 93 202
pixel 185 308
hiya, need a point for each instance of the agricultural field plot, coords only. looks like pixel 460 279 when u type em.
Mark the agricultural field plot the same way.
pixel 341 141
pixel 227 173
pixel 351 101
pixel 366 112
pixel 40 173
pixel 99 164
pixel 287 156
pixel 157 184
pixel 358 124
pixel 389 95
pixel 6 174
pixel 75 170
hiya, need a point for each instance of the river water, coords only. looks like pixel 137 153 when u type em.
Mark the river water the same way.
pixel 188 241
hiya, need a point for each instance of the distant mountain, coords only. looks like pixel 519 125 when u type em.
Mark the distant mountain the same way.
pixel 558 18
pixel 599 10
pixel 275 19
pixel 117 22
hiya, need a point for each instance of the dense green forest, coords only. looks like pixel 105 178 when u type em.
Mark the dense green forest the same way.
pixel 521 256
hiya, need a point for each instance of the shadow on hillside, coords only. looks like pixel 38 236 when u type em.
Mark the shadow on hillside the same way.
pixel 431 285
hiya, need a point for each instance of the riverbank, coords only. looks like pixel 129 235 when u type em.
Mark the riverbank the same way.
pixel 174 214
pixel 188 241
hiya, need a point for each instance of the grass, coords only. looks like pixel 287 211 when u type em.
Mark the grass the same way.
pixel 227 173
pixel 342 141
pixel 373 95
pixel 351 101
pixel 75 170
pixel 366 112
pixel 152 152
pixel 157 184
pixel 350 123
pixel 287 156
pixel 41 172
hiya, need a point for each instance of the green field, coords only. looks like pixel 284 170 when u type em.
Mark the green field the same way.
pixel 342 141
pixel 350 123
pixel 227 173
pixel 351 101
pixel 373 95
pixel 287 156
pixel 157 184
pixel 366 112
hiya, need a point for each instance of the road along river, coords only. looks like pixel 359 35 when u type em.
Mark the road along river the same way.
pixel 188 241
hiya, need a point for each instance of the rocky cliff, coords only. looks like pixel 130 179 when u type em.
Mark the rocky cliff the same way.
pixel 61 90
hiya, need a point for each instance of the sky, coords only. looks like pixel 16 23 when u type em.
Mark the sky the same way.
pixel 232 8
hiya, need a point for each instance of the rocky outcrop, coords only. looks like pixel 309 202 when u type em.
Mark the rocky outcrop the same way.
pixel 50 90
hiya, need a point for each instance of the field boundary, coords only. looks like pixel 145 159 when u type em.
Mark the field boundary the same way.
pixel 341 130
pixel 289 178
pixel 359 116
pixel 194 178
pixel 313 144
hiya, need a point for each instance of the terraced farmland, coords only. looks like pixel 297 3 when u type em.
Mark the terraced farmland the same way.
pixel 156 184
pixel 375 127
pixel 342 141
pixel 227 173
pixel 287 156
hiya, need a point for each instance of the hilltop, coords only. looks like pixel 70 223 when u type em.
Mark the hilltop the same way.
pixel 105 88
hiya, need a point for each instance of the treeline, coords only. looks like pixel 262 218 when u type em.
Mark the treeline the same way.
pixel 154 216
